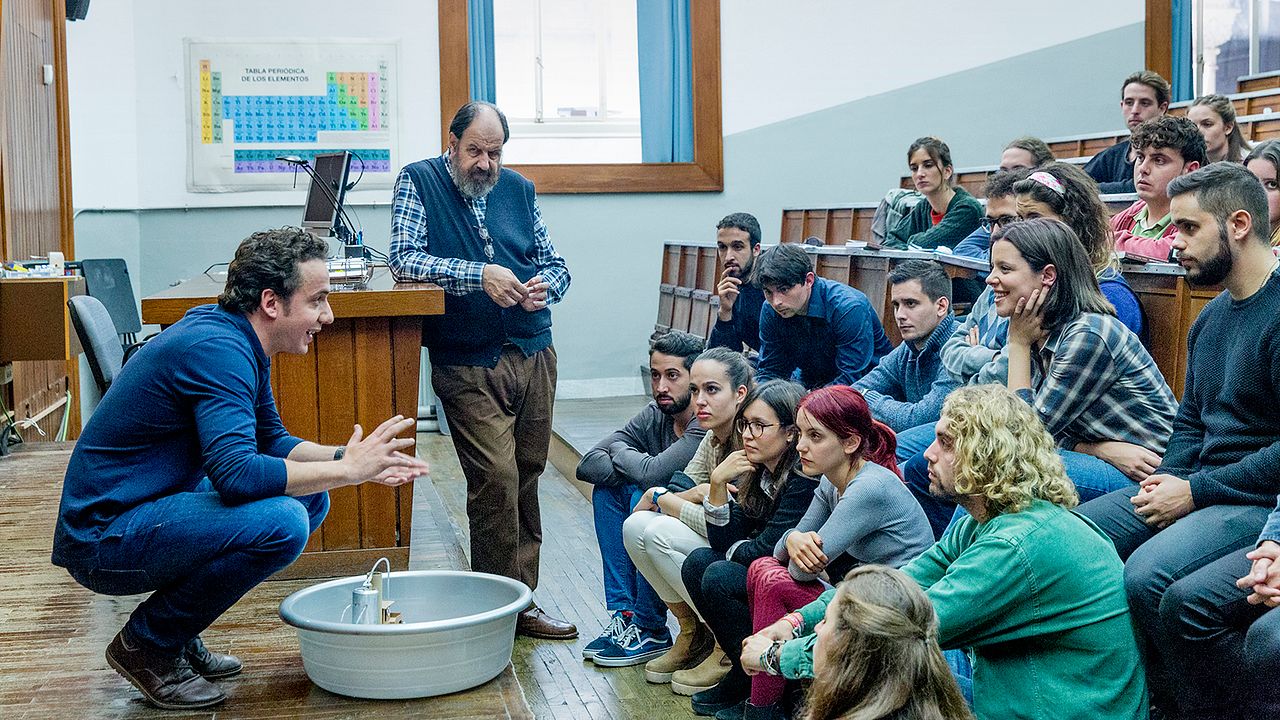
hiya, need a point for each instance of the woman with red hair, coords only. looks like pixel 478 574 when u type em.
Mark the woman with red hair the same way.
pixel 861 513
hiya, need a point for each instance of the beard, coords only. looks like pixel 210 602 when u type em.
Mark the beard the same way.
pixel 677 405
pixel 1215 269
pixel 476 183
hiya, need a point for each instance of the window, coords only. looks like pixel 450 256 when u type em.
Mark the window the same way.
pixel 704 173
pixel 567 75
pixel 1233 38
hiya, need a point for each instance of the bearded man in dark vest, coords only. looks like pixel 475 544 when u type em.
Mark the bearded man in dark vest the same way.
pixel 463 221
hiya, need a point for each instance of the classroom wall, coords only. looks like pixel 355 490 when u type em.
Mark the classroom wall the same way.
pixel 821 99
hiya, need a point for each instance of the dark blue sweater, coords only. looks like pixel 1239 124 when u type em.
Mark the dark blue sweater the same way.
pixel 837 341
pixel 195 401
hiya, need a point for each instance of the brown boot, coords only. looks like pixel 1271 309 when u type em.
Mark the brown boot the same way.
pixel 693 644
pixel 706 675
pixel 165 680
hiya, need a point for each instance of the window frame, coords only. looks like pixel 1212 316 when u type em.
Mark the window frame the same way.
pixel 704 174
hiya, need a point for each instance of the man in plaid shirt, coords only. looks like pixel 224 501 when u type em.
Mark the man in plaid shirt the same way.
pixel 463 221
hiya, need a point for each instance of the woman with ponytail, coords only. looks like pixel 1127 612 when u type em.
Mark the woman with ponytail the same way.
pixel 861 513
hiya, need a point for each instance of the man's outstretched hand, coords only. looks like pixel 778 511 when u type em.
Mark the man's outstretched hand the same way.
pixel 378 457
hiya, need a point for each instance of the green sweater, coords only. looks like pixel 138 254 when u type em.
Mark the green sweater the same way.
pixel 1039 597
pixel 916 230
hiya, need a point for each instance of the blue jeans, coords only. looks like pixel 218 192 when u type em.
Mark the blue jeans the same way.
pixel 914 441
pixel 197 556
pixel 962 671
pixel 1093 477
pixel 624 587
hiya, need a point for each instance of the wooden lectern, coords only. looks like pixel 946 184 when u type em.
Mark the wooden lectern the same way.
pixel 363 369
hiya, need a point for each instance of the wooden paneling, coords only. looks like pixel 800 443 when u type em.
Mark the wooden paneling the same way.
pixel 1159 28
pixel 704 174
pixel 1252 83
pixel 35 184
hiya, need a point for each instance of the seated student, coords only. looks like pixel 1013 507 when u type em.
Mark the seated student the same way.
pixel 1086 374
pixel 1163 149
pixel 876 653
pixel 1021 154
pixel 186 485
pixel 1218 482
pixel 654 445
pixel 1215 118
pixel 771 496
pixel 1143 96
pixel 1262 642
pixel 860 513
pixel 816 330
pixel 1033 590
pixel 1264 163
pixel 738 245
pixel 1064 192
pixel 948 213
pixel 668 522
pixel 908 386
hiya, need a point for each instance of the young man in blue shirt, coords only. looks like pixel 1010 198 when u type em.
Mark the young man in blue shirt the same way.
pixel 185 483
pixel 815 330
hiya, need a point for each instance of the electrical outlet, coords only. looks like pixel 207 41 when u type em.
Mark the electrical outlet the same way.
pixel 6 373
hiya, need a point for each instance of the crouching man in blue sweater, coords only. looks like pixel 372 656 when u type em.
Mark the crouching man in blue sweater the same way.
pixel 185 482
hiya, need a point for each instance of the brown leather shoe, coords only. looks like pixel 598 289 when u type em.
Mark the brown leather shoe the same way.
pixel 532 622
pixel 210 665
pixel 166 681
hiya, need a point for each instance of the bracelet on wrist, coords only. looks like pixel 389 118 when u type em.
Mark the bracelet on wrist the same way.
pixel 771 659
pixel 796 622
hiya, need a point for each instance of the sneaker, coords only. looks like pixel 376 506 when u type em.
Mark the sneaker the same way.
pixel 620 622
pixel 635 646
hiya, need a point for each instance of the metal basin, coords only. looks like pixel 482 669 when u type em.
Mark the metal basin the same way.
pixel 458 631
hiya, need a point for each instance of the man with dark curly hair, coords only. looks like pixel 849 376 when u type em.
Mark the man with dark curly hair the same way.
pixel 185 483
pixel 1163 149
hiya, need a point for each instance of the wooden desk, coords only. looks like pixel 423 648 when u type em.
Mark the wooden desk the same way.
pixel 34 322
pixel 363 369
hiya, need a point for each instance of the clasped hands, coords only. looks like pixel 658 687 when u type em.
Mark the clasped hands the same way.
pixel 1264 577
pixel 501 285
pixel 1163 499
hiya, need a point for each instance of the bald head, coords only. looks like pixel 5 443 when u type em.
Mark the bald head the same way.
pixel 478 111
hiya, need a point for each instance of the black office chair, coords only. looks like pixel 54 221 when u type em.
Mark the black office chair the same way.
pixel 98 335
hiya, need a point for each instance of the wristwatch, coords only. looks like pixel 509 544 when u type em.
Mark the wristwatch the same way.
pixel 657 494
pixel 339 453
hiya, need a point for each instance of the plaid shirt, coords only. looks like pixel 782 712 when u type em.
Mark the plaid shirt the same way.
pixel 1094 381
pixel 411 260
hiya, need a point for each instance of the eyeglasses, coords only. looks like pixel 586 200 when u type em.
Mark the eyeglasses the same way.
pixel 757 428
pixel 989 224
pixel 488 242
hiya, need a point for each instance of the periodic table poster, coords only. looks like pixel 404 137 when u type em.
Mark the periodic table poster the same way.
pixel 250 102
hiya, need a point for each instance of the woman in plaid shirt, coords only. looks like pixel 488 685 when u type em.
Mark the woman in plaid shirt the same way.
pixel 1086 374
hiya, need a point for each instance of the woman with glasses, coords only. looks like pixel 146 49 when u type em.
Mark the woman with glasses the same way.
pixel 1088 377
pixel 670 522
pixel 1059 191
pixel 755 495
pixel 861 513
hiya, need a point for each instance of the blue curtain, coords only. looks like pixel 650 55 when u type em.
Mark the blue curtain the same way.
pixel 1183 59
pixel 480 29
pixel 666 81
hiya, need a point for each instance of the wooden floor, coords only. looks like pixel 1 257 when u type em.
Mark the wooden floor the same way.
pixel 53 632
